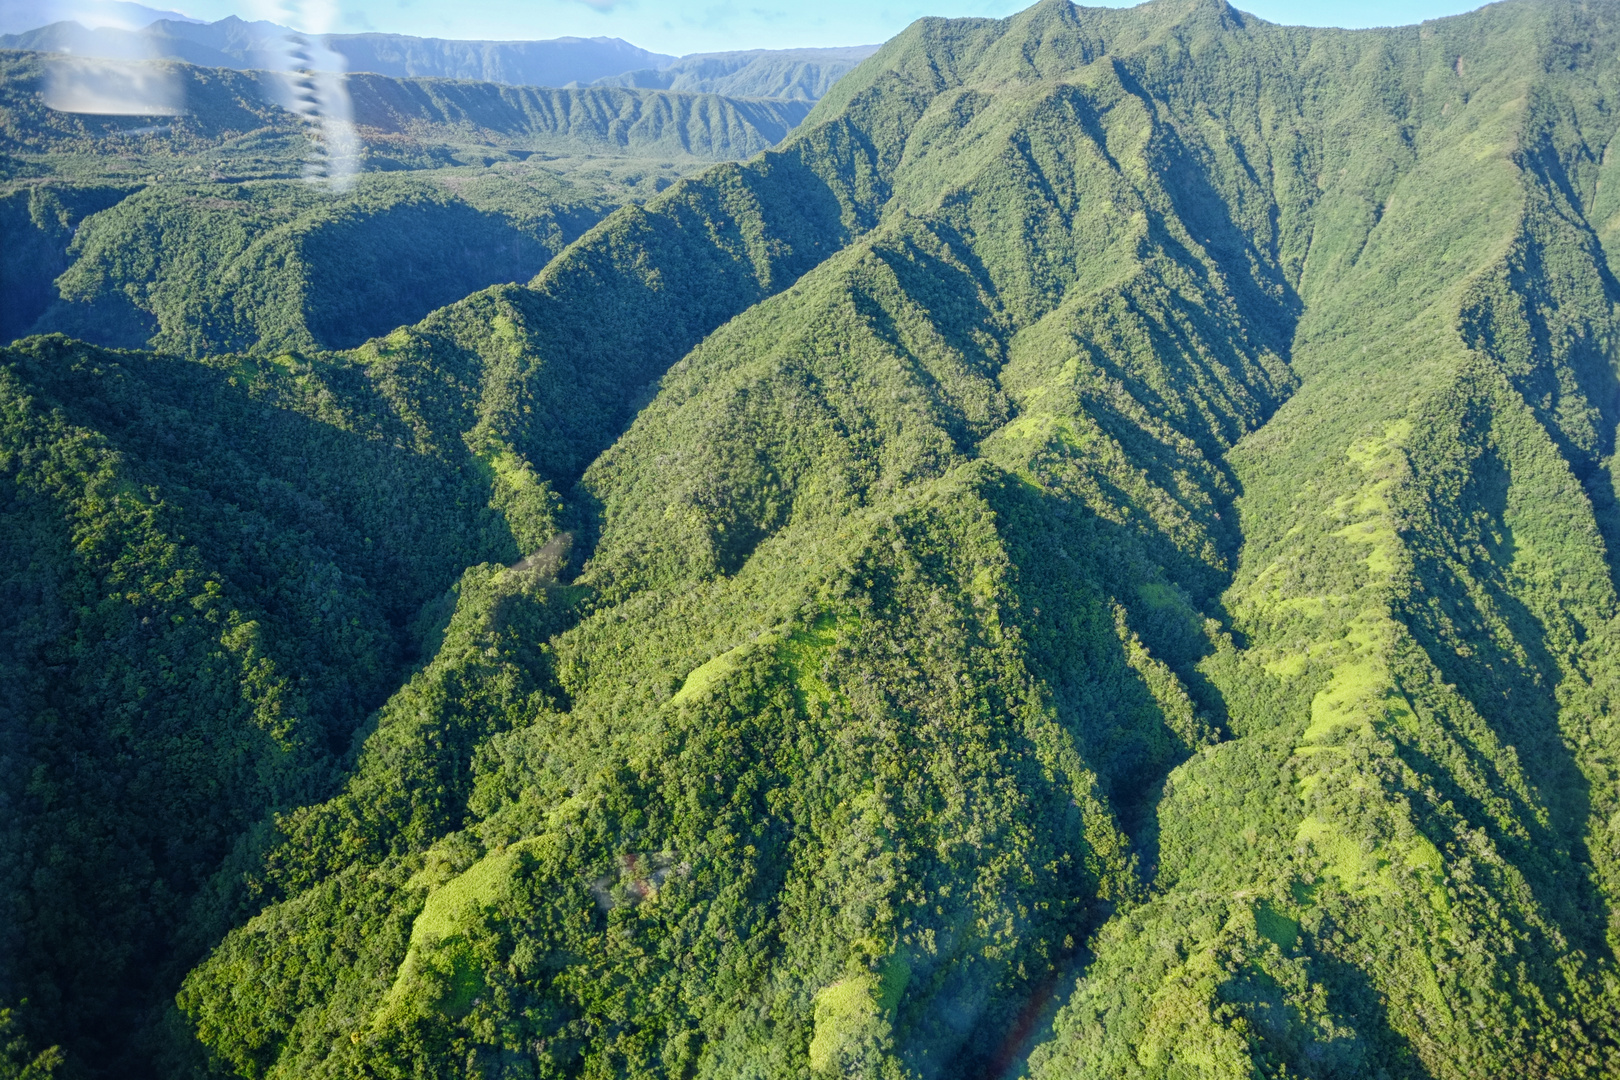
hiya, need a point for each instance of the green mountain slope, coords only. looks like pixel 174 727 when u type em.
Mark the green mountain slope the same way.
pixel 39 223
pixel 276 265
pixel 213 571
pixel 1090 559
pixel 200 258
pixel 234 126
pixel 593 119
pixel 502 399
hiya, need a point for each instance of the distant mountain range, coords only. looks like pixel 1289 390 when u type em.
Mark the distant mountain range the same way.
pixel 17 16
pixel 797 74
pixel 804 74
pixel 1094 557
pixel 229 216
pixel 236 43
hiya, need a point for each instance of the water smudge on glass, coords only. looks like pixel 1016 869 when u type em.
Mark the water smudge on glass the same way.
pixel 117 75
pixel 112 87
pixel 311 82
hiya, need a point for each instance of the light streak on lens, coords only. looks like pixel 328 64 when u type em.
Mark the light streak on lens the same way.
pixel 311 81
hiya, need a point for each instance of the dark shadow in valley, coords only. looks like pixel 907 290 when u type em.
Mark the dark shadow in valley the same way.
pixel 1509 679
pixel 317 545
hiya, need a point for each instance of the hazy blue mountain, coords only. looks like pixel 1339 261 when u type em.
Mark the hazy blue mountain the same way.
pixel 235 43
pixel 228 43
pixel 1094 558
pixel 555 62
pixel 403 123
pixel 17 16
pixel 804 74
pixel 795 74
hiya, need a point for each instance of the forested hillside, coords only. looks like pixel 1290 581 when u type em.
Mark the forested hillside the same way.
pixel 1090 559
pixel 233 125
pixel 196 235
pixel 275 265
pixel 600 119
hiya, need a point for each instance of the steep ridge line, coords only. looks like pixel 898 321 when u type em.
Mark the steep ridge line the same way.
pixel 1078 508
pixel 224 107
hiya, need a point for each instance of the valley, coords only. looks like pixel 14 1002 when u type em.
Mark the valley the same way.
pixel 1084 552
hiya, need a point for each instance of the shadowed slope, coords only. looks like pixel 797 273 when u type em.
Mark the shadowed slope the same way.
pixel 985 456
pixel 1120 492
pixel 800 560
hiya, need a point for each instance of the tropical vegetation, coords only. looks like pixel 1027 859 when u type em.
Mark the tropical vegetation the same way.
pixel 1092 558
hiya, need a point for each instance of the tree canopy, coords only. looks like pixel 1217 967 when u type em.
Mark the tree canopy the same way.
pixel 1090 558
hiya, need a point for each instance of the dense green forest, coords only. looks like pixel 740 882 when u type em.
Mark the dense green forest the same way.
pixel 1089 559
pixel 197 235
pixel 276 265
pixel 234 128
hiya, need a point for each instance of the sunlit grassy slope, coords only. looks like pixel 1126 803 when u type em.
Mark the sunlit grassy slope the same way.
pixel 1091 560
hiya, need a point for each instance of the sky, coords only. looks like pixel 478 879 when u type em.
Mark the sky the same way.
pixel 687 26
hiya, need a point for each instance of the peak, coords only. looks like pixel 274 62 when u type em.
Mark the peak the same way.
pixel 1217 12
pixel 1048 9
pixel 1214 14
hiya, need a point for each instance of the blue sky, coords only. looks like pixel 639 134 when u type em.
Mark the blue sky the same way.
pixel 685 26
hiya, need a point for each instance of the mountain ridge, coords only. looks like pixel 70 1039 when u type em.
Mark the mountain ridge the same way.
pixel 798 74
pixel 18 17
pixel 210 259
pixel 1093 556
pixel 779 73
pixel 236 43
